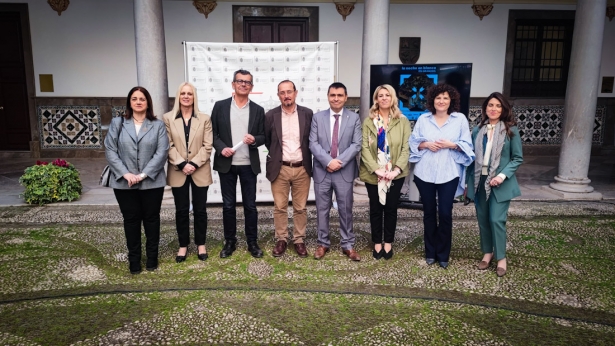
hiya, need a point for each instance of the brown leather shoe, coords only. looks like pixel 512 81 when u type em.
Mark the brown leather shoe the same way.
pixel 279 249
pixel 301 250
pixel 500 271
pixel 352 254
pixel 483 265
pixel 320 252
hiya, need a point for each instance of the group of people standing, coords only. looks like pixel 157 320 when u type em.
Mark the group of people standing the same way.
pixel 323 147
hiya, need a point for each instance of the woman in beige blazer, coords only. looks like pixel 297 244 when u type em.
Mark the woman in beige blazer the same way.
pixel 190 138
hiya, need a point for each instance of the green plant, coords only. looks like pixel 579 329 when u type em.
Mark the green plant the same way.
pixel 48 183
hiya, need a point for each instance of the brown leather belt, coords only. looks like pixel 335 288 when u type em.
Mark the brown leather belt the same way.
pixel 293 164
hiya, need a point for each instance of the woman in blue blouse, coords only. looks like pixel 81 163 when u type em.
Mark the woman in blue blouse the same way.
pixel 441 147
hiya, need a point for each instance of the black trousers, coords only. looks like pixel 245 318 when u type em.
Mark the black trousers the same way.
pixel 389 210
pixel 228 187
pixel 438 233
pixel 181 196
pixel 141 206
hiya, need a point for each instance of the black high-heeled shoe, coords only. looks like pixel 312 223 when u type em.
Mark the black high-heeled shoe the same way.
pixel 203 256
pixel 378 254
pixel 387 255
pixel 179 259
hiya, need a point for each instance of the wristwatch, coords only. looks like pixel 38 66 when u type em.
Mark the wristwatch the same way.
pixel 142 176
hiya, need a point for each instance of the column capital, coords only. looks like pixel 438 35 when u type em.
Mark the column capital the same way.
pixel 205 6
pixel 482 10
pixel 344 9
pixel 59 5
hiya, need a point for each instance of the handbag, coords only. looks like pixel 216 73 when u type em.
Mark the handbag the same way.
pixel 105 176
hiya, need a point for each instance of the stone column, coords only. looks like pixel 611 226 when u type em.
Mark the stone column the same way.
pixel 375 45
pixel 375 52
pixel 151 52
pixel 580 106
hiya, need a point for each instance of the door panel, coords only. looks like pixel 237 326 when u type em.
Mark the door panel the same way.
pixel 14 117
pixel 260 32
pixel 275 29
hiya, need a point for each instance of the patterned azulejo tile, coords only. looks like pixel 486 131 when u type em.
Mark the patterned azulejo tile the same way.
pixel 118 111
pixel 543 124
pixel 70 127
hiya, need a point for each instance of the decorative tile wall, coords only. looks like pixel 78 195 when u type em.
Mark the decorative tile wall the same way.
pixel 70 127
pixel 543 124
pixel 117 111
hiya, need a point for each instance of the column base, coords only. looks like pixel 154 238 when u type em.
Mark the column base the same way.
pixel 573 195
pixel 572 185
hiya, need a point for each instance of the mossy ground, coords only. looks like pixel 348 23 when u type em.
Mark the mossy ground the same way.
pixel 69 284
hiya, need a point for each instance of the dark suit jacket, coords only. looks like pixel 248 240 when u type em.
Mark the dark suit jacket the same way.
pixel 511 159
pixel 223 138
pixel 349 145
pixel 273 140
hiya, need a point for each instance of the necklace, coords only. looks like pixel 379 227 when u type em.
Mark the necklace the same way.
pixel 137 121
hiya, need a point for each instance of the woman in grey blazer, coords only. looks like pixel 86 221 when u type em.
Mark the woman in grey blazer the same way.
pixel 136 147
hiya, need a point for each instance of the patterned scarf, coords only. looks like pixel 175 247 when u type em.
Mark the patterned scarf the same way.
pixel 499 136
pixel 384 159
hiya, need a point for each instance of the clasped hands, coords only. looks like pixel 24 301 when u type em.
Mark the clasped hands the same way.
pixel 334 165
pixel 386 176
pixel 496 181
pixel 437 145
pixel 188 169
pixel 132 179
pixel 247 139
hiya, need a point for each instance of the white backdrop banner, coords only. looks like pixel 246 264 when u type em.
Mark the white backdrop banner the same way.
pixel 312 66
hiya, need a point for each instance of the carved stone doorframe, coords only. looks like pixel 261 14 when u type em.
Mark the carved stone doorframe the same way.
pixel 239 11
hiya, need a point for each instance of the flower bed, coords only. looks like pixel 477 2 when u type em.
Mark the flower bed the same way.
pixel 51 182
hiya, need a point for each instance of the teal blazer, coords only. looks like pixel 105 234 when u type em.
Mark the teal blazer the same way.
pixel 512 158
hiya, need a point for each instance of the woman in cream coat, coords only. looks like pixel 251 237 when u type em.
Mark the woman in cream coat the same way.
pixel 190 139
pixel 384 165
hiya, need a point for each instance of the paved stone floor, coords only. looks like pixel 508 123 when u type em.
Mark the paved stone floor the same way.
pixel 59 261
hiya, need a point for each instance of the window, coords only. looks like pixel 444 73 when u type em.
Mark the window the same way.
pixel 538 53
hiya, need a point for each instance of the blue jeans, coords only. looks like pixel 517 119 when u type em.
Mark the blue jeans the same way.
pixel 228 187
pixel 438 237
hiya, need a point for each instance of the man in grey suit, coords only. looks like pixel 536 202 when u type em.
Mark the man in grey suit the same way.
pixel 238 120
pixel 335 141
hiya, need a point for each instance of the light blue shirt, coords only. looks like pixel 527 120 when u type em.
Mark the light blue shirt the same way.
pixel 443 165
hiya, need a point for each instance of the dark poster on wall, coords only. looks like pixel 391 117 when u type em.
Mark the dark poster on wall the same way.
pixel 411 83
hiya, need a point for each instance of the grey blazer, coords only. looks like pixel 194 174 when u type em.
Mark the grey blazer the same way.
pixel 146 153
pixel 349 145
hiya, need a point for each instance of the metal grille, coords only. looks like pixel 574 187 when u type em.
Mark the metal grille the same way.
pixel 541 58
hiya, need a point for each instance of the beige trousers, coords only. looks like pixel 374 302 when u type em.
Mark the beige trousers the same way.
pixel 295 181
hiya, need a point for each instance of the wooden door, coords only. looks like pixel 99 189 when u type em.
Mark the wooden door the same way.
pixel 14 116
pixel 275 29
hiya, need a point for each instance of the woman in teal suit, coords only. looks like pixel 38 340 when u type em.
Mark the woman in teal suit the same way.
pixel 491 180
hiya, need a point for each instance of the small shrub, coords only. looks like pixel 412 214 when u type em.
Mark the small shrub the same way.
pixel 48 183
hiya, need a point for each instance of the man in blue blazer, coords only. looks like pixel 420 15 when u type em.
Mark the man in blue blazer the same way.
pixel 335 141
pixel 247 119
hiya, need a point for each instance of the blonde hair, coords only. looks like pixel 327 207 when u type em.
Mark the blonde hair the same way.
pixel 177 104
pixel 394 111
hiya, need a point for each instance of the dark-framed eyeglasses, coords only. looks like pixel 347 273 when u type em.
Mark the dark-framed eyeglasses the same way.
pixel 241 81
